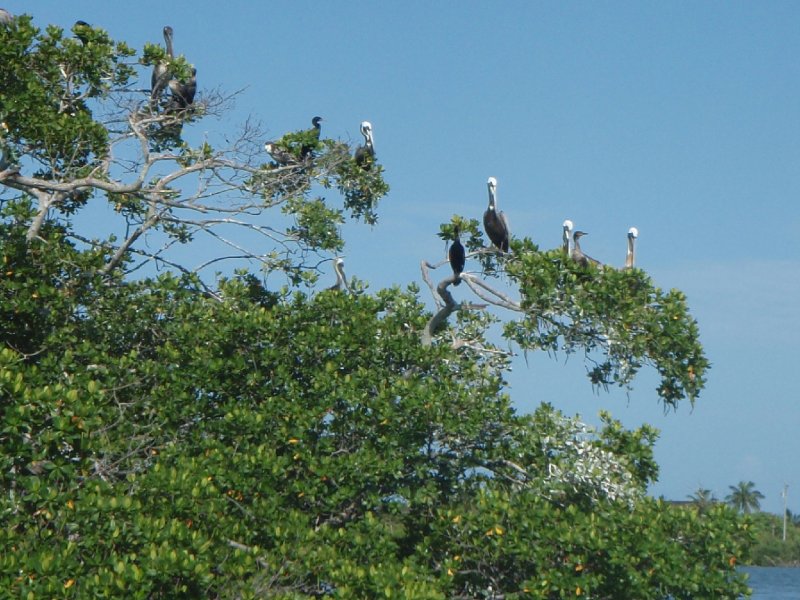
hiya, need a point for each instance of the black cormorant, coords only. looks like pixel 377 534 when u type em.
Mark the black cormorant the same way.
pixel 307 149
pixel 457 257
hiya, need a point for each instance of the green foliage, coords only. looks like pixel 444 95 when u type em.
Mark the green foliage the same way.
pixel 315 223
pixel 45 85
pixel 161 443
pixel 523 543
pixel 469 229
pixel 620 313
pixel 361 188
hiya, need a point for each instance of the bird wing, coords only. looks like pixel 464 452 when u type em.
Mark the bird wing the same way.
pixel 504 221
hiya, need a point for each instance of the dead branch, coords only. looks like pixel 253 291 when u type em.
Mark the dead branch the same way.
pixel 447 305
pixel 488 293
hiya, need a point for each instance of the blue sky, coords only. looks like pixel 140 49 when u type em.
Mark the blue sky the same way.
pixel 680 118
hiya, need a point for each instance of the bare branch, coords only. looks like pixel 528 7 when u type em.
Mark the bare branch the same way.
pixel 447 305
pixel 493 297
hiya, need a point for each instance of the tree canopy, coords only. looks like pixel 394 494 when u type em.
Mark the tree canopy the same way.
pixel 186 435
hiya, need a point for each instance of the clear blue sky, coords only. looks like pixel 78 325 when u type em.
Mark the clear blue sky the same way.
pixel 681 118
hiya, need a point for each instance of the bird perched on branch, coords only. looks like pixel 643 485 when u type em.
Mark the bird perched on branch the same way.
pixel 161 74
pixel 365 155
pixel 183 93
pixel 633 233
pixel 578 255
pixel 307 150
pixel 495 224
pixel 457 257
pixel 279 155
pixel 6 155
pixel 341 280
pixel 80 29
pixel 566 236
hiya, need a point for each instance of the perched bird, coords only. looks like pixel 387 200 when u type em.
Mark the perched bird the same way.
pixel 79 29
pixel 633 233
pixel 457 257
pixel 566 236
pixel 365 155
pixel 6 158
pixel 307 149
pixel 5 16
pixel 577 254
pixel 161 74
pixel 495 224
pixel 341 280
pixel 183 93
pixel 280 156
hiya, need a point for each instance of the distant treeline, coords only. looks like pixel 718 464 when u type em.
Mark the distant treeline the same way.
pixel 770 548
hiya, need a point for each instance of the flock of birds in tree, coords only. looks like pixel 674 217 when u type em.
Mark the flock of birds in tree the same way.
pixel 364 154
pixel 495 224
pixel 181 96
pixel 364 157
pixel 181 93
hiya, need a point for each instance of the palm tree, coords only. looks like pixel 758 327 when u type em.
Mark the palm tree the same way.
pixel 744 497
pixel 702 498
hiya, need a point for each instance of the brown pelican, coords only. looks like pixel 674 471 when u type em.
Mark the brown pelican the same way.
pixel 495 224
pixel 566 236
pixel 5 16
pixel 365 155
pixel 577 254
pixel 307 149
pixel 279 155
pixel 457 257
pixel 183 93
pixel 161 75
pixel 633 233
pixel 341 280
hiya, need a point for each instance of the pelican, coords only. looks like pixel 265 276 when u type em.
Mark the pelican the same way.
pixel 161 75
pixel 183 93
pixel 633 233
pixel 5 16
pixel 307 149
pixel 566 236
pixel 279 155
pixel 365 155
pixel 457 257
pixel 495 224
pixel 577 254
pixel 341 280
